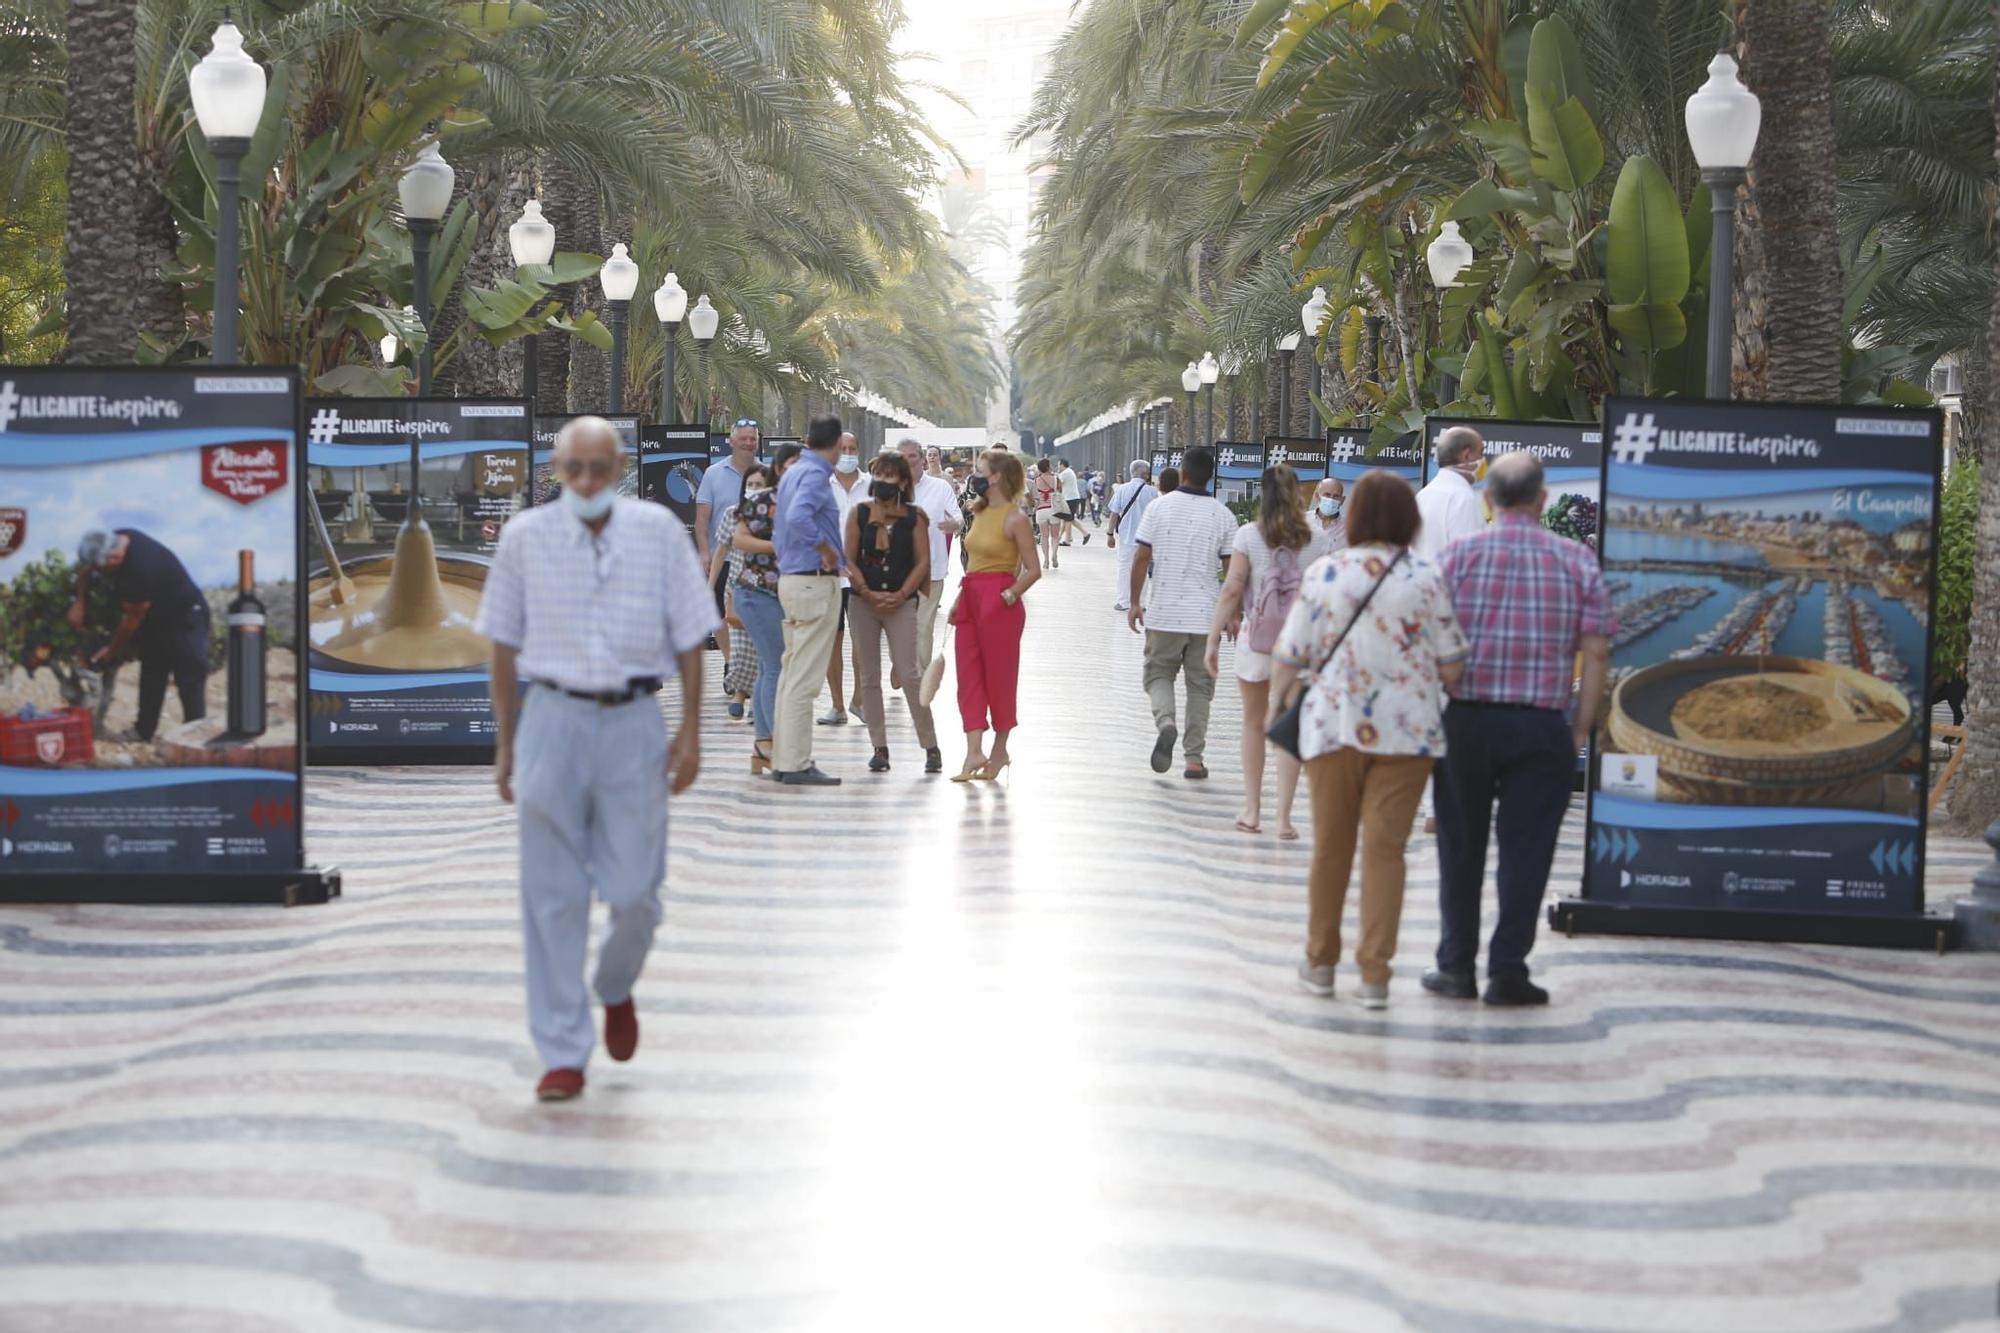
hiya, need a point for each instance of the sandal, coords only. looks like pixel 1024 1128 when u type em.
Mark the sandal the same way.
pixel 1243 827
pixel 1288 834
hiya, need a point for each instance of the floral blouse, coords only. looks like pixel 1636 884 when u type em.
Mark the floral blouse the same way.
pixel 758 569
pixel 1381 693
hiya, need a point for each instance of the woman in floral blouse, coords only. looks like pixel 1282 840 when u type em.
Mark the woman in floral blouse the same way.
pixel 753 594
pixel 1373 720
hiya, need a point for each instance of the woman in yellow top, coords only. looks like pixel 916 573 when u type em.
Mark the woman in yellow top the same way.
pixel 1001 565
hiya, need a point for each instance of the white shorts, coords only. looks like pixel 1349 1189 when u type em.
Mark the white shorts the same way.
pixel 1251 665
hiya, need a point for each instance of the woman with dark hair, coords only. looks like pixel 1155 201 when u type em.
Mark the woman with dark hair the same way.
pixel 1267 565
pixel 1046 490
pixel 753 592
pixel 1373 642
pixel 1001 565
pixel 1170 480
pixel 888 552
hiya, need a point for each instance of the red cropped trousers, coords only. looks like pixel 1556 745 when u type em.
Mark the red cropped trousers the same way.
pixel 989 652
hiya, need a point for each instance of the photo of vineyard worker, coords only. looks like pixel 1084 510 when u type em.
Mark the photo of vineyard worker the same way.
pixel 163 620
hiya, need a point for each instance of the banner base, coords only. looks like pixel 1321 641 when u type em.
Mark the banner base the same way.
pixel 388 756
pixel 281 888
pixel 1581 916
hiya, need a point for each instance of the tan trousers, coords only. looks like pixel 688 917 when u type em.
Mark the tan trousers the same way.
pixel 927 609
pixel 1170 653
pixel 811 603
pixel 900 625
pixel 1375 796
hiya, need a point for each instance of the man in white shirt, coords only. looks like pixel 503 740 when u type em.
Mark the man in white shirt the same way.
pixel 1329 498
pixel 850 488
pixel 592 603
pixel 1128 511
pixel 940 504
pixel 1185 540
pixel 1072 499
pixel 1448 506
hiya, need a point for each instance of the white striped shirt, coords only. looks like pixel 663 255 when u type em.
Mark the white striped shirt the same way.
pixel 1191 535
pixel 596 611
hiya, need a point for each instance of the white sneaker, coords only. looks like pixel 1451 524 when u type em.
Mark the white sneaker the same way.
pixel 1316 980
pixel 1373 995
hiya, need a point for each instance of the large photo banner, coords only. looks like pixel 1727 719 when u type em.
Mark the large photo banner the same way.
pixel 1348 457
pixel 547 486
pixel 149 630
pixel 1304 454
pixel 672 460
pixel 1572 454
pixel 1764 745
pixel 1239 466
pixel 410 496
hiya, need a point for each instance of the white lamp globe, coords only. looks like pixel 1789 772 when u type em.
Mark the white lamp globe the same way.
pixel 1210 372
pixel 1191 378
pixel 702 319
pixel 390 346
pixel 533 237
pixel 670 302
pixel 426 186
pixel 227 87
pixel 620 276
pixel 1723 117
pixel 1448 255
pixel 1313 313
pixel 1289 343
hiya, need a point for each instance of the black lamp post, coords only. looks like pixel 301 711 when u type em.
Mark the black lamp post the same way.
pixel 1723 118
pixel 426 193
pixel 227 89
pixel 1447 257
pixel 1191 383
pixel 620 278
pixel 670 303
pixel 702 322
pixel 532 239
pixel 1209 372
pixel 1286 346
pixel 1311 315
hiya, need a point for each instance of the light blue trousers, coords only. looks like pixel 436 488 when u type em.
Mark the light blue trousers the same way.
pixel 590 786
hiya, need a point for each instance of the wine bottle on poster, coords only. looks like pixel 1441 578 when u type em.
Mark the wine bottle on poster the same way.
pixel 246 651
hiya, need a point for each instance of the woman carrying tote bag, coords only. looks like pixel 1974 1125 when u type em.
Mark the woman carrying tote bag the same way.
pixel 1372 642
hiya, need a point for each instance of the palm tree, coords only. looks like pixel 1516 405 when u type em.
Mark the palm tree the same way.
pixel 100 243
pixel 1789 61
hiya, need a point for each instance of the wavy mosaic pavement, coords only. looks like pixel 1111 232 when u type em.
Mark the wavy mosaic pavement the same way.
pixel 919 1056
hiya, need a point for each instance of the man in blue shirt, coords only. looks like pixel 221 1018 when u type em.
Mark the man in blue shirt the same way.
pixel 808 536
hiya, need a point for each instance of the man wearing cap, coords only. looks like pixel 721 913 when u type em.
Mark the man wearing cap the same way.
pixel 591 605
pixel 163 620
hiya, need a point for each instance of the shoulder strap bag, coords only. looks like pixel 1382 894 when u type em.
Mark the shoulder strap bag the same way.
pixel 1284 731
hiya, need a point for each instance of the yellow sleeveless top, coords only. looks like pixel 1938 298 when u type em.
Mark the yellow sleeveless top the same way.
pixel 992 551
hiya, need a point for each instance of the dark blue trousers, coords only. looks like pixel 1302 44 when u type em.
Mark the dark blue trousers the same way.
pixel 1523 759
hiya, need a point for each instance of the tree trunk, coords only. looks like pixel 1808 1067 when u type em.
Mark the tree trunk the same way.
pixel 581 381
pixel 162 310
pixel 1975 797
pixel 100 243
pixel 1789 63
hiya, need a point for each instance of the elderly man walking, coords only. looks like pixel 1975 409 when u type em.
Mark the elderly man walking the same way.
pixel 1128 510
pixel 591 604
pixel 1448 506
pixel 808 536
pixel 1185 540
pixel 1530 602
pixel 940 504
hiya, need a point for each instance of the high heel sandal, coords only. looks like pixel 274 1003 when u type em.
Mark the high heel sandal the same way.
pixel 760 760
pixel 990 771
pixel 969 774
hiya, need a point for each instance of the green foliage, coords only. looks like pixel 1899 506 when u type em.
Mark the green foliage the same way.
pixel 1958 521
pixel 34 617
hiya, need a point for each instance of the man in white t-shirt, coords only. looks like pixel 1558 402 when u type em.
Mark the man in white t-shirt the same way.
pixel 1448 507
pixel 1072 503
pixel 1128 511
pixel 1184 540
pixel 850 488
pixel 939 502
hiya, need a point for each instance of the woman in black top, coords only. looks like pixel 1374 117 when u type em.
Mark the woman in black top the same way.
pixel 888 563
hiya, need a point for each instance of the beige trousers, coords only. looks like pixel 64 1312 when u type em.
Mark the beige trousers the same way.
pixel 927 612
pixel 900 625
pixel 1374 796
pixel 811 603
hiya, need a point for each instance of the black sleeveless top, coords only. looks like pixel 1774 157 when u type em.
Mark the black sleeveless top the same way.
pixel 887 555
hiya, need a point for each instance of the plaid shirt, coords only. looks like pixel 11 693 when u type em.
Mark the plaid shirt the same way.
pixel 1524 597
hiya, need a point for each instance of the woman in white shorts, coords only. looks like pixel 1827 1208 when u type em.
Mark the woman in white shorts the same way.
pixel 1046 490
pixel 1267 563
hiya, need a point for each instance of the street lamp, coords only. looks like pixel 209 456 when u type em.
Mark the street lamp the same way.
pixel 390 344
pixel 426 193
pixel 620 278
pixel 1232 366
pixel 532 239
pixel 1311 315
pixel 670 303
pixel 1448 256
pixel 701 323
pixel 1723 117
pixel 1191 382
pixel 1286 345
pixel 1210 372
pixel 227 89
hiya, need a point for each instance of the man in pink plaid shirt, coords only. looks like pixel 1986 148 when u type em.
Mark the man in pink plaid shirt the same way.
pixel 1530 602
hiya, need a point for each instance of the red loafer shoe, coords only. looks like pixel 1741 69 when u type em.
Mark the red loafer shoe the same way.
pixel 559 1085
pixel 621 1030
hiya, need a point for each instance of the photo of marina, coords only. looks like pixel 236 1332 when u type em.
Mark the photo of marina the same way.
pixel 1773 646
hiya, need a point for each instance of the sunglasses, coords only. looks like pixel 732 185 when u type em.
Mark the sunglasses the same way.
pixel 747 421
pixel 600 468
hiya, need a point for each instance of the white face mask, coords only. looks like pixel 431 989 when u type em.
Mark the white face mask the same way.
pixel 589 508
pixel 751 491
pixel 847 464
pixel 1329 507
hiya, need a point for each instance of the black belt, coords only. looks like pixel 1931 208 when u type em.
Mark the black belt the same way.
pixel 1497 703
pixel 634 689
